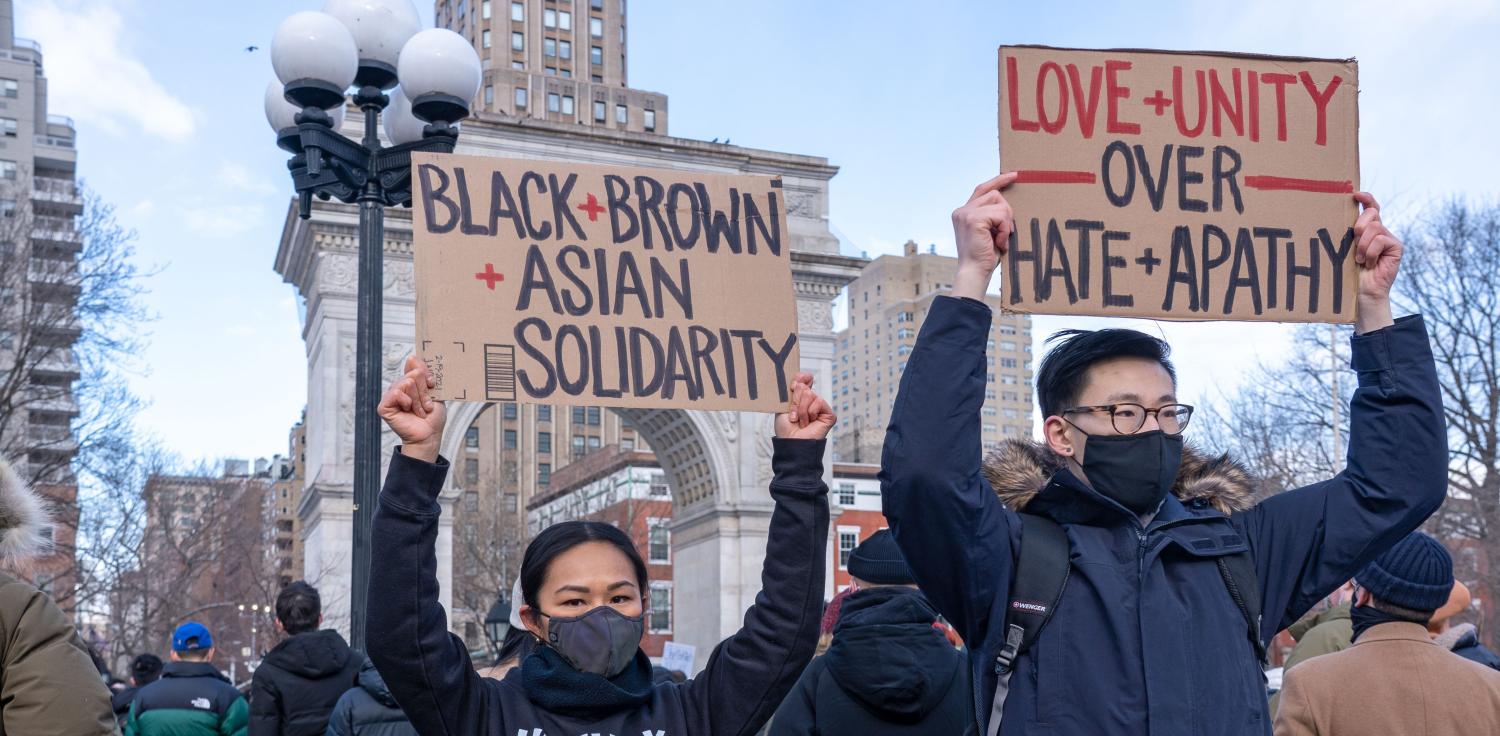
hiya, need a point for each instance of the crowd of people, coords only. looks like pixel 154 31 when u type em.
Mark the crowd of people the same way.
pixel 1107 579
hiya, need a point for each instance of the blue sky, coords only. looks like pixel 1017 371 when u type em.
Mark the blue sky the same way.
pixel 900 95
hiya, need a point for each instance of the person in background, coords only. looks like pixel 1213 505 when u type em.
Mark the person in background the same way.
pixel 888 670
pixel 369 709
pixel 1394 681
pixel 48 683
pixel 144 670
pixel 1461 639
pixel 584 592
pixel 1324 632
pixel 299 681
pixel 192 698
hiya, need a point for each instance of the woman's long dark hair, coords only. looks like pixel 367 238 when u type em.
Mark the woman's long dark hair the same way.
pixel 559 538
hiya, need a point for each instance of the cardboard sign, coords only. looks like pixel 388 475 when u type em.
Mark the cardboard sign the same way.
pixel 550 282
pixel 1180 185
pixel 679 657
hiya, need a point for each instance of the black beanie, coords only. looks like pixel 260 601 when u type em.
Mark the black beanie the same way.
pixel 878 560
pixel 1415 574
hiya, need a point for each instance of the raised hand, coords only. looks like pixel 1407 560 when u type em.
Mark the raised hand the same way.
pixel 1378 253
pixel 981 229
pixel 808 416
pixel 412 413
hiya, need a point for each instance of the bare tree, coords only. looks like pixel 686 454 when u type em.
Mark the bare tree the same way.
pixel 1287 422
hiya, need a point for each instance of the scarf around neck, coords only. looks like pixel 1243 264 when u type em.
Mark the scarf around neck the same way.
pixel 554 686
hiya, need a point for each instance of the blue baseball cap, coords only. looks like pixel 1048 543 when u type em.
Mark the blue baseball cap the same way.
pixel 191 636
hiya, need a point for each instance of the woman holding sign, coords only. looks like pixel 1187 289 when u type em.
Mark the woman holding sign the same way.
pixel 584 589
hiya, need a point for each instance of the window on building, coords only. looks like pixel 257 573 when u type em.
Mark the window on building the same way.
pixel 471 473
pixel 989 429
pixel 8 170
pixel 596 29
pixel 544 442
pixel 544 413
pixel 658 542
pixel 567 73
pixel 484 38
pixel 471 501
pixel 549 18
pixel 594 416
pixel 10 88
pixel 565 20
pixel 1007 345
pixel 650 120
pixel 484 9
pixel 512 503
pixel 543 473
pixel 565 49
pixel 8 127
pixel 471 438
pixel 622 114
pixel 627 443
pixel 848 540
pixel 509 411
pixel 518 65
pixel 554 102
pixel 578 415
pixel 567 104
pixel 489 92
pixel 596 4
pixel 549 47
pixel 661 607
pixel 517 41
pixel 510 439
pixel 1011 414
pixel 1007 329
pixel 599 111
pixel 596 55
pixel 518 12
pixel 846 494
pixel 1007 362
pixel 7 206
pixel 594 444
pixel 578 445
pixel 520 98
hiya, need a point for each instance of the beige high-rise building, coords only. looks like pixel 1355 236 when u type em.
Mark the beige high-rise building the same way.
pixel 39 286
pixel 288 476
pixel 559 60
pixel 887 305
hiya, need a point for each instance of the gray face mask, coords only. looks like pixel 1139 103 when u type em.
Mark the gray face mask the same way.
pixel 602 641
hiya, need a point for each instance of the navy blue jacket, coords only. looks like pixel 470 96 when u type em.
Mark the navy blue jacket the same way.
pixel 748 674
pixel 1146 638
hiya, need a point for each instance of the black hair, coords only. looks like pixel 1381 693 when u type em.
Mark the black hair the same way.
pixel 517 646
pixel 1064 371
pixel 559 538
pixel 145 669
pixel 298 607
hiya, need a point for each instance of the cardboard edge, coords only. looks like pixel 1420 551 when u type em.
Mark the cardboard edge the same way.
pixel 1184 52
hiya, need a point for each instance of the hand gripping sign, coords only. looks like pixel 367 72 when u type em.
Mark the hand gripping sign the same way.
pixel 552 282
pixel 1190 186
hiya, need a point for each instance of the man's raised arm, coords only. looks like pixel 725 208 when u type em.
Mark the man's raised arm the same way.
pixel 951 528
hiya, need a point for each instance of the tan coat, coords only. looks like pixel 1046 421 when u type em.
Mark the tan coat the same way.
pixel 1395 681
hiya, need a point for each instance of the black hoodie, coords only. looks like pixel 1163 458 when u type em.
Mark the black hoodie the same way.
pixel 429 671
pixel 888 672
pixel 298 683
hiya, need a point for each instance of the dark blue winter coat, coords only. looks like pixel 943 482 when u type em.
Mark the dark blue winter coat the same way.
pixel 1146 638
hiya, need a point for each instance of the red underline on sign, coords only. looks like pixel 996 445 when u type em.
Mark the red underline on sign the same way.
pixel 1034 176
pixel 1283 183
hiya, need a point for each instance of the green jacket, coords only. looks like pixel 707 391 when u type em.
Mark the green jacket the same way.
pixel 1324 633
pixel 190 699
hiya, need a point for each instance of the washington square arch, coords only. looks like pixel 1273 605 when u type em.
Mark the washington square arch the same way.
pixel 718 464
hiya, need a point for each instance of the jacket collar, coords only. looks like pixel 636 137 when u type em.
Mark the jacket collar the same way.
pixel 192 669
pixel 1395 631
pixel 1457 637
pixel 1022 472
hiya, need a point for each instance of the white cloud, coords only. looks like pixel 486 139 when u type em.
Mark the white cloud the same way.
pixel 238 177
pixel 224 220
pixel 92 75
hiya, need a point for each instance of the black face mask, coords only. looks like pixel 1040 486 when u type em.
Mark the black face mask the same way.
pixel 602 640
pixel 1135 470
pixel 1364 617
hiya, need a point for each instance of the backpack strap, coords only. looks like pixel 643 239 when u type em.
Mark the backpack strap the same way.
pixel 1238 570
pixel 1041 572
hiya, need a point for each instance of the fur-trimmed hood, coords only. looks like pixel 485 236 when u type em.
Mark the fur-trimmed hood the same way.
pixel 23 519
pixel 1019 469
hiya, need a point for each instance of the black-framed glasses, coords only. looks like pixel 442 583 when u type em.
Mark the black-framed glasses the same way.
pixel 1129 418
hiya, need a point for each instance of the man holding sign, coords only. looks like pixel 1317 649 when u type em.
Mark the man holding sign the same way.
pixel 1168 578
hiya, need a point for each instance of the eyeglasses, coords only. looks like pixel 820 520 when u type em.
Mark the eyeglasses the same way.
pixel 1129 418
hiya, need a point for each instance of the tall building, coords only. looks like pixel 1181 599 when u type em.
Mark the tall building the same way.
pixel 559 60
pixel 887 305
pixel 287 478
pixel 39 286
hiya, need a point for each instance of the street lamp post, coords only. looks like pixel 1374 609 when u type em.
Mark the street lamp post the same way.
pixel 497 623
pixel 368 45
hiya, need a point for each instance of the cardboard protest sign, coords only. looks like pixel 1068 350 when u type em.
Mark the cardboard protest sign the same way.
pixel 1180 185
pixel 552 282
